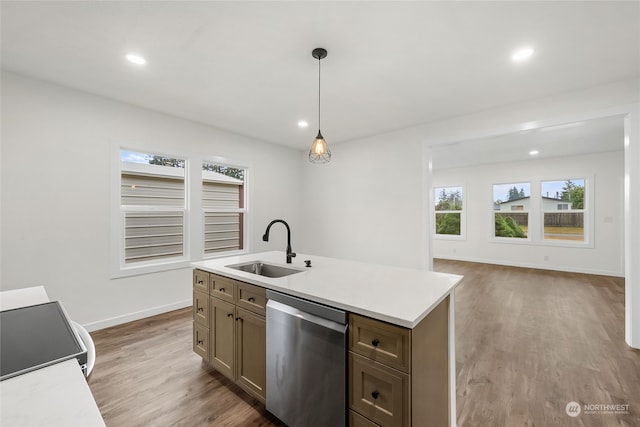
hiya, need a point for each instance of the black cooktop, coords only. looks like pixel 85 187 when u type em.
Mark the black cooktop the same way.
pixel 37 336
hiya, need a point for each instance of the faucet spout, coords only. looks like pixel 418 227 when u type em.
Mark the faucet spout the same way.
pixel 265 237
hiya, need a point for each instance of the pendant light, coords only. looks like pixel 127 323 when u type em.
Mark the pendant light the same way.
pixel 319 152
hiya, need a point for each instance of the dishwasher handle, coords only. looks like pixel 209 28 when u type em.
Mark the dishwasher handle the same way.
pixel 308 317
pixel 320 310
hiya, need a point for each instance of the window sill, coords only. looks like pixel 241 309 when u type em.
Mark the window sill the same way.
pixel 136 270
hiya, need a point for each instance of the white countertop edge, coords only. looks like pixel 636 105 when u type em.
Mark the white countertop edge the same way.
pixel 218 266
pixel 57 395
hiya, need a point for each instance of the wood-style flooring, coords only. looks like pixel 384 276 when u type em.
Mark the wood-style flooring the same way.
pixel 146 374
pixel 527 343
pixel 530 341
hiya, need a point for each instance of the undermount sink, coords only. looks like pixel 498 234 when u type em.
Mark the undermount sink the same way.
pixel 263 269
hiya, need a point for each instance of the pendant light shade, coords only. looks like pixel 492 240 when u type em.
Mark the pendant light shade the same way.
pixel 319 152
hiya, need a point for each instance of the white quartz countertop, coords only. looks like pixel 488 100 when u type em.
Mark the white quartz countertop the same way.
pixel 401 296
pixel 57 395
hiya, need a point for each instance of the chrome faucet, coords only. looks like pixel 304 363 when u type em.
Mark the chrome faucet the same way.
pixel 265 237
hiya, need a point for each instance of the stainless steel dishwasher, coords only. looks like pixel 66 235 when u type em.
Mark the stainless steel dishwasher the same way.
pixel 306 362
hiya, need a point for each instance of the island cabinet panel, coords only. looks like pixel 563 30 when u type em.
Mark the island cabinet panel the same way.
pixel 229 329
pixel 399 376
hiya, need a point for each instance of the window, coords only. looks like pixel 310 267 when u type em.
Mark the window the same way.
pixel 223 207
pixel 449 213
pixel 563 210
pixel 152 208
pixel 167 211
pixel 511 204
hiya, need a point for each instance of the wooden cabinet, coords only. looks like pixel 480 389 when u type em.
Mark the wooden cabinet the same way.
pixel 399 377
pixel 235 327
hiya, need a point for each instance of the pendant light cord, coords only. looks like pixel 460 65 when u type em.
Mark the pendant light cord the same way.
pixel 319 95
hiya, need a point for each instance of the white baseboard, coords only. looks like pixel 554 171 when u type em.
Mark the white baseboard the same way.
pixel 536 266
pixel 106 323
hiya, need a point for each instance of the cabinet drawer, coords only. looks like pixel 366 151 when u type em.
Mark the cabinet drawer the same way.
pixel 378 392
pixel 201 281
pixel 201 308
pixel 222 287
pixel 251 297
pixel 380 341
pixel 201 340
pixel 357 420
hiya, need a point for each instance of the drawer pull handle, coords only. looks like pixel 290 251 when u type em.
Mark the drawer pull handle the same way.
pixel 375 343
pixel 200 309
pixel 230 315
pixel 251 299
pixel 200 342
pixel 238 318
pixel 200 282
pixel 221 289
pixel 375 394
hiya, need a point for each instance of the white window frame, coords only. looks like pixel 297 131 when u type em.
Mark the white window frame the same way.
pixel 193 226
pixel 462 212
pixel 118 266
pixel 494 211
pixel 535 232
pixel 588 212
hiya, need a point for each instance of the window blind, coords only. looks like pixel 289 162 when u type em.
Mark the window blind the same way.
pixel 141 190
pixel 222 226
pixel 157 231
pixel 153 235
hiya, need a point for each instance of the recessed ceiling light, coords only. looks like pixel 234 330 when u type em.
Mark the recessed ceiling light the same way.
pixel 136 59
pixel 303 124
pixel 534 152
pixel 522 54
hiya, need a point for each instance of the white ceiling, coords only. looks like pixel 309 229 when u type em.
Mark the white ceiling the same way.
pixel 247 66
pixel 585 137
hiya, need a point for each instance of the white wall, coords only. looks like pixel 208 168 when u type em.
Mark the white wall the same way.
pixel 366 204
pixel 605 256
pixel 56 148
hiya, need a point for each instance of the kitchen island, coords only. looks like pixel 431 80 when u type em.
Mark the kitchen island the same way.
pixel 401 330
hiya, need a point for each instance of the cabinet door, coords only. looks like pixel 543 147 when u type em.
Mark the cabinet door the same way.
pixel 221 344
pixel 251 353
